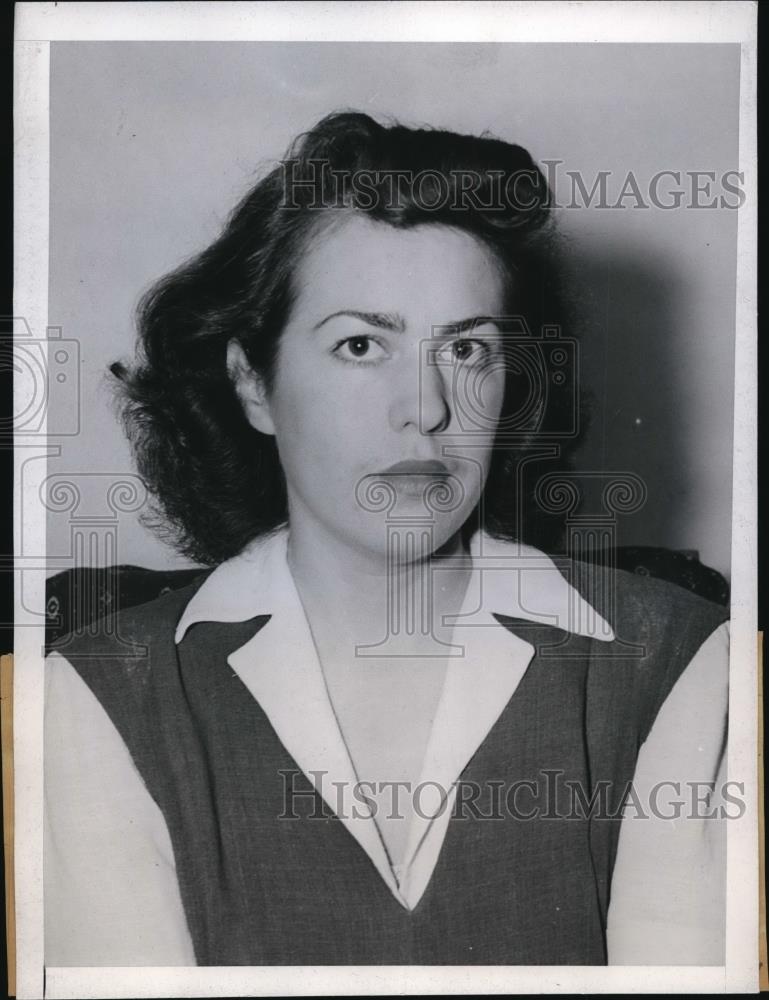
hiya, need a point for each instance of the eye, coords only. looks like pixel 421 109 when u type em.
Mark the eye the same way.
pixel 465 350
pixel 360 349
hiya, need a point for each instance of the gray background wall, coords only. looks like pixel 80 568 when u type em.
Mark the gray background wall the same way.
pixel 152 143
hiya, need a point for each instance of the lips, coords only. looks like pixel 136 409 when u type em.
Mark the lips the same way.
pixel 413 467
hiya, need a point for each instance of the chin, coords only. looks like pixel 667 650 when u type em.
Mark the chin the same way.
pixel 410 538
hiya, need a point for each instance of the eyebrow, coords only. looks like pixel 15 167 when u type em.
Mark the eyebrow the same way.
pixel 384 321
pixel 396 323
pixel 463 325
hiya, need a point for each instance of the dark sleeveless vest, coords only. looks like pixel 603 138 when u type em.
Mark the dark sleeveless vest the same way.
pixel 524 873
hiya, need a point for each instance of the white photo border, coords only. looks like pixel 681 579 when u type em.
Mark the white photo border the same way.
pixel 699 22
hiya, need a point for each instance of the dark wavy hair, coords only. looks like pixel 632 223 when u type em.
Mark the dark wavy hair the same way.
pixel 217 483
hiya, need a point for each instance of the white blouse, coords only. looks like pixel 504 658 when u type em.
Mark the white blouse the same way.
pixel 111 894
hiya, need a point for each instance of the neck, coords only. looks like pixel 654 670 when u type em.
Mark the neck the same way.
pixel 367 596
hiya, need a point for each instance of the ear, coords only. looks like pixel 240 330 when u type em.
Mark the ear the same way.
pixel 250 389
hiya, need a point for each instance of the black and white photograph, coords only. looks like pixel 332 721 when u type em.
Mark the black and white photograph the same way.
pixel 384 407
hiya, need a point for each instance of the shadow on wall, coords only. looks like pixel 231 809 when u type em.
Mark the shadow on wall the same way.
pixel 632 372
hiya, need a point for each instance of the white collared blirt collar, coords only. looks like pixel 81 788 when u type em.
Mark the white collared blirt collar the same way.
pixel 511 579
pixel 257 581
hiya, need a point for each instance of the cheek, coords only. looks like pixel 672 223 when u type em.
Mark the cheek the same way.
pixel 478 400
pixel 497 393
pixel 492 403
pixel 319 428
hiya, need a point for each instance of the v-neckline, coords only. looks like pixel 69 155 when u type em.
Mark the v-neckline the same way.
pixel 281 669
pixel 384 780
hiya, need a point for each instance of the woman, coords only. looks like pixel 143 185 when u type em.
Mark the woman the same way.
pixel 383 730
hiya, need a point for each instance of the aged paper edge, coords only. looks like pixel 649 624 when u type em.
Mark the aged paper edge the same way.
pixel 6 729
pixel 763 972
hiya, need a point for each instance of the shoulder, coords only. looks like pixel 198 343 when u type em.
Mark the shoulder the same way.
pixel 644 608
pixel 666 639
pixel 121 629
pixel 119 662
pixel 641 608
pixel 128 643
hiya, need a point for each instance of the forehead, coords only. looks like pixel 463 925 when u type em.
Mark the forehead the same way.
pixel 357 263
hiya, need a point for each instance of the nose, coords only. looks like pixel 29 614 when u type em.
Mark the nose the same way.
pixel 420 400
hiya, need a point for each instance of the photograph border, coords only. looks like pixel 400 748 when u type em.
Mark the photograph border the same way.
pixel 37 25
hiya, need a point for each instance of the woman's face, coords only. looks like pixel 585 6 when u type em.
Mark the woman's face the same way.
pixel 389 382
